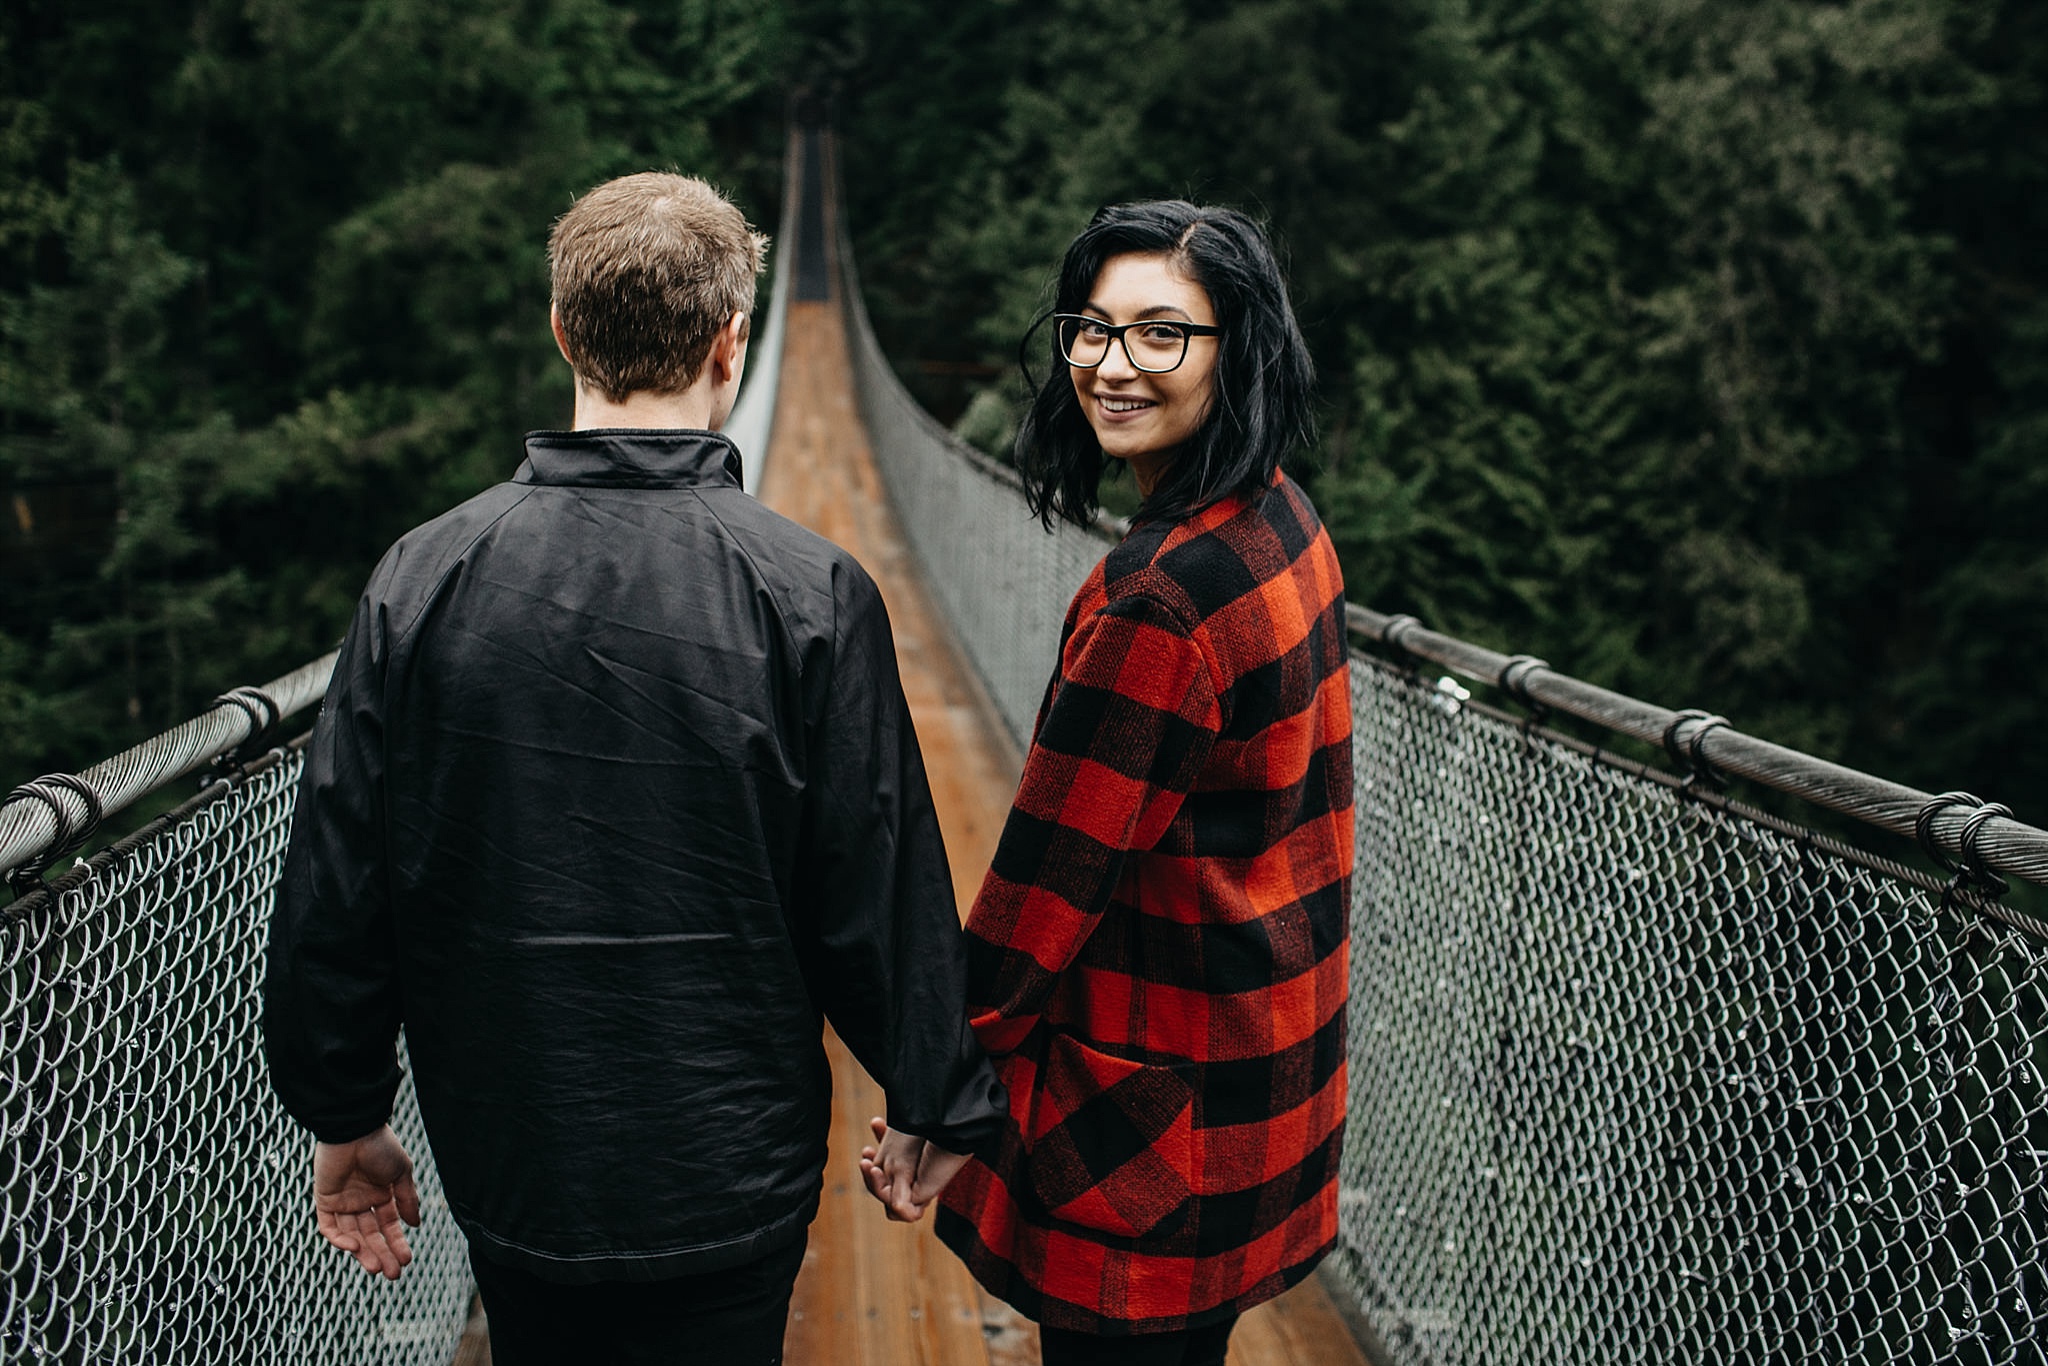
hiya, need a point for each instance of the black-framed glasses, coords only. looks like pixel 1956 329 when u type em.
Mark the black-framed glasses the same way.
pixel 1154 345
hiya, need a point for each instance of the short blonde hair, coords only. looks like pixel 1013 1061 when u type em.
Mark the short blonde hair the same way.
pixel 645 269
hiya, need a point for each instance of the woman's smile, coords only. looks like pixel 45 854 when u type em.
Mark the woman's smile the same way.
pixel 1115 408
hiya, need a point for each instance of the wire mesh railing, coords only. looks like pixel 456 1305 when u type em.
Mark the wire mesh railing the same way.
pixel 1639 1077
pixel 155 1200
pixel 1637 1074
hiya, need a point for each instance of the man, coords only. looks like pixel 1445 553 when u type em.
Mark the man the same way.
pixel 614 792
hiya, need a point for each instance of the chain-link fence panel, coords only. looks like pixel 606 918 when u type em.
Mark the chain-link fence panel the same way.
pixel 1637 1077
pixel 155 1201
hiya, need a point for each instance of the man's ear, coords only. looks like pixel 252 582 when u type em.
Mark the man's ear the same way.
pixel 561 337
pixel 729 348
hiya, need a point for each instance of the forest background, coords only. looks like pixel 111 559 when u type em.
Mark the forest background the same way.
pixel 1699 346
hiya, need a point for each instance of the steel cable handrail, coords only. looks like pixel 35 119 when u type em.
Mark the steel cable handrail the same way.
pixel 1997 843
pixel 30 826
pixel 41 817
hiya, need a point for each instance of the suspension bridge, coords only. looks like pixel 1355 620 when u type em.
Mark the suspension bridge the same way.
pixel 1639 1073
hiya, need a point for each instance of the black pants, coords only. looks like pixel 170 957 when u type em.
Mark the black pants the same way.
pixel 733 1317
pixel 1196 1347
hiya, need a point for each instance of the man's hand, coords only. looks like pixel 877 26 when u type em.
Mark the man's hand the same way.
pixel 905 1172
pixel 360 1192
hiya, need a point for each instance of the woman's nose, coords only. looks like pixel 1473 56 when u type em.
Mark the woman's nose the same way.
pixel 1116 363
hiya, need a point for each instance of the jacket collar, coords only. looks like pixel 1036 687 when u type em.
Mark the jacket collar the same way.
pixel 629 458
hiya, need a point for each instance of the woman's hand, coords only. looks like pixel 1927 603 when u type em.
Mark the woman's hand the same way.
pixel 906 1172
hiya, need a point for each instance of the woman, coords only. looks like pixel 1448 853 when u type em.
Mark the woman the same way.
pixel 1159 953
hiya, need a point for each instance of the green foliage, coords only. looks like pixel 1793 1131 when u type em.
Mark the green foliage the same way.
pixel 1698 345
pixel 1693 344
pixel 273 289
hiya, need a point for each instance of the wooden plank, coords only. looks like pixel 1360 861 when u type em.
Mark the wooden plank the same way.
pixel 1011 1339
pixel 1301 1328
pixel 821 473
pixel 475 1347
pixel 873 1293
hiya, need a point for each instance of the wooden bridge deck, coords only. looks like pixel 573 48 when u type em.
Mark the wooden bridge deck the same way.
pixel 873 1293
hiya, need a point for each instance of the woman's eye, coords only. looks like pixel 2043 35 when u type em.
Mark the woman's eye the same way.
pixel 1162 332
pixel 1094 331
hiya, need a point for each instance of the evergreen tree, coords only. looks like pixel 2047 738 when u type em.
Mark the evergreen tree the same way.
pixel 1697 345
pixel 1630 315
pixel 273 289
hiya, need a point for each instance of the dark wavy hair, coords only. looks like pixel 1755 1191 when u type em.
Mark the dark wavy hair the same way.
pixel 1265 382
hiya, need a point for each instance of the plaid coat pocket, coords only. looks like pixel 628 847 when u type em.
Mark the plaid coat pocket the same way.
pixel 1109 1143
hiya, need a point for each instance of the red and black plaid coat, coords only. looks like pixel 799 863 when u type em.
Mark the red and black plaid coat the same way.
pixel 1158 958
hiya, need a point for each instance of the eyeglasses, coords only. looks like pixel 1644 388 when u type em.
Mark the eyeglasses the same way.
pixel 1153 345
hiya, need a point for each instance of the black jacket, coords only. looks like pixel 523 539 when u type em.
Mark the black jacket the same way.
pixel 614 792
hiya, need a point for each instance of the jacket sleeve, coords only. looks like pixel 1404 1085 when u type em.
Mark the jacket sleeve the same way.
pixel 331 1008
pixel 876 922
pixel 1131 721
